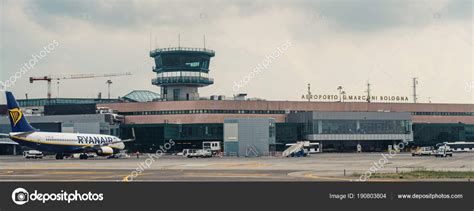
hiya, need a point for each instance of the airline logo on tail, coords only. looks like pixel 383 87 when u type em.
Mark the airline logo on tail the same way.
pixel 16 115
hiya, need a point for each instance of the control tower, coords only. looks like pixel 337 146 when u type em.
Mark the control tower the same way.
pixel 181 71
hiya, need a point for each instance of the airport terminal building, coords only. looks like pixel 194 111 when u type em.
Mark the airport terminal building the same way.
pixel 179 113
pixel 339 126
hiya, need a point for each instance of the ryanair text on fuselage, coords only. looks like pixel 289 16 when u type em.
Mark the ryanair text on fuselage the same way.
pixel 93 140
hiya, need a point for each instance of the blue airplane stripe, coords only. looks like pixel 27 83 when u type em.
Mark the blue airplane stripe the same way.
pixel 56 148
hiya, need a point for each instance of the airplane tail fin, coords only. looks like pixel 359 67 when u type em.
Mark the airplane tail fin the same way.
pixel 17 119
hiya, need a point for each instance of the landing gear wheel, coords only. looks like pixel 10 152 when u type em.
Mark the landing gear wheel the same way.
pixel 59 156
pixel 83 156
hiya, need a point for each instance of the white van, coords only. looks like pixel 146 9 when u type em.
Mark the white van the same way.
pixel 34 154
pixel 197 153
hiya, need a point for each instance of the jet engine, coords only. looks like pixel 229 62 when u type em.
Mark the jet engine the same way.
pixel 104 151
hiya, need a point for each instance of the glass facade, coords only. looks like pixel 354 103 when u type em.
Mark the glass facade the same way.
pixel 443 113
pixel 202 111
pixel 384 127
pixel 469 132
pixel 336 126
pixel 181 61
pixel 431 134
pixel 62 101
pixel 217 111
pixel 360 127
pixel 287 133
pixel 183 74
pixel 182 80
pixel 149 137
pixel 271 130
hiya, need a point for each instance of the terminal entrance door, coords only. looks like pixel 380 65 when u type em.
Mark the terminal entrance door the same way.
pixel 176 94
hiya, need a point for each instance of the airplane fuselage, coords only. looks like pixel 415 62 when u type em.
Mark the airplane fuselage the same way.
pixel 65 142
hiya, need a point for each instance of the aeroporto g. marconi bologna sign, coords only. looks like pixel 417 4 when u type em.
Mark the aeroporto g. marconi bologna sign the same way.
pixel 355 98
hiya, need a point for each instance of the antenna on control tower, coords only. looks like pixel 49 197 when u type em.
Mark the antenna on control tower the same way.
pixel 204 41
pixel 415 83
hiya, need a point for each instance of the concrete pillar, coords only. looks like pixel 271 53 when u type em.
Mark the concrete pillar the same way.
pixel 320 126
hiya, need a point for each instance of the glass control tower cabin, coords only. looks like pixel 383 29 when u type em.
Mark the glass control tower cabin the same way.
pixel 181 71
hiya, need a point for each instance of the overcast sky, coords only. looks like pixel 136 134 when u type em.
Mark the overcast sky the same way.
pixel 332 43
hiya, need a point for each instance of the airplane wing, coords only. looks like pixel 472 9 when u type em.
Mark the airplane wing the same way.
pixel 121 141
pixel 4 135
pixel 116 142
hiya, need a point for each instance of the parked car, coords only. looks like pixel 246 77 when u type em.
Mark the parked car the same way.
pixel 422 151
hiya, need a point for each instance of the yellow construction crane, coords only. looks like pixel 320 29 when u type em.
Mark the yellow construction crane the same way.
pixel 50 78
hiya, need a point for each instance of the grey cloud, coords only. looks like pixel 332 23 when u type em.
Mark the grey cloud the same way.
pixel 351 15
pixel 371 15
pixel 461 9
pixel 137 13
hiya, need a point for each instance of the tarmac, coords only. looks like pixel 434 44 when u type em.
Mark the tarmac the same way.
pixel 317 167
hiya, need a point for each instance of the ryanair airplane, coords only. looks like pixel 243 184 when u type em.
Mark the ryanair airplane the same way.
pixel 63 144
